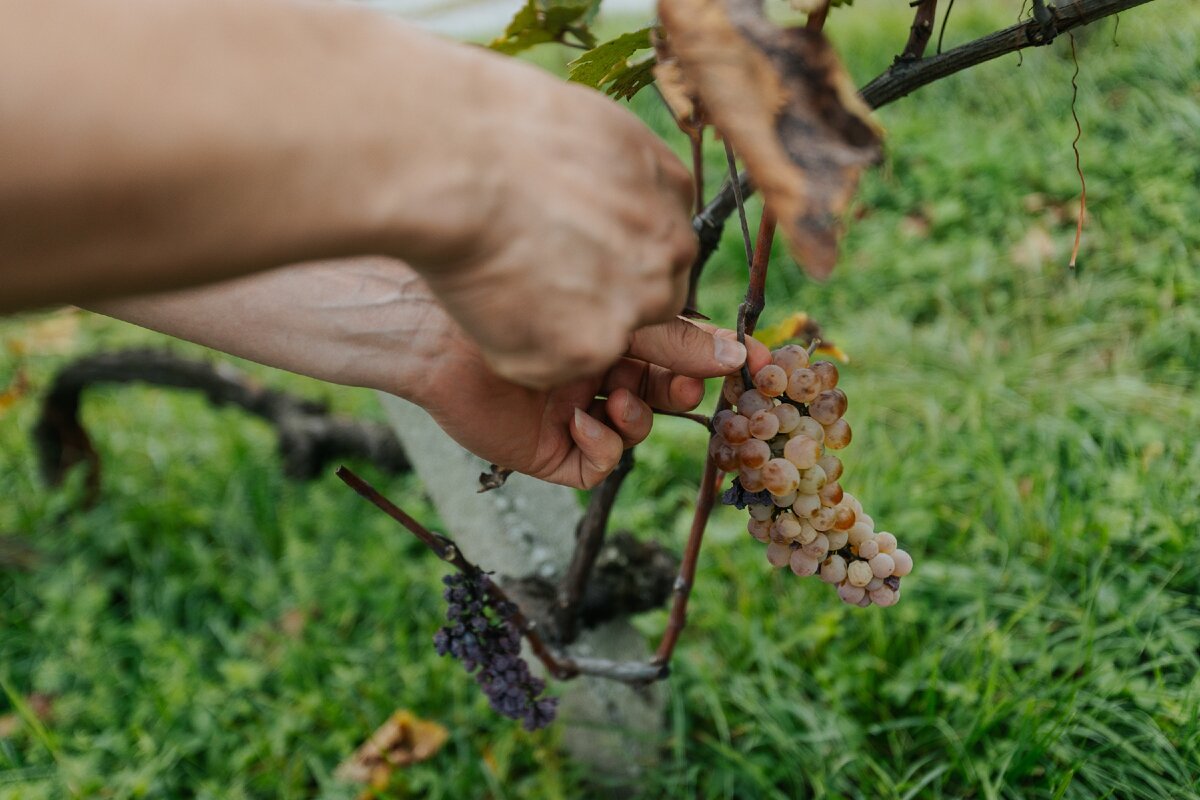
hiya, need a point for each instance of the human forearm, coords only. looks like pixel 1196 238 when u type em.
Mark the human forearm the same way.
pixel 367 322
pixel 148 145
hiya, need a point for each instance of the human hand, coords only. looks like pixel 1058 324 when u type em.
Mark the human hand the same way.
pixel 374 323
pixel 575 433
pixel 579 230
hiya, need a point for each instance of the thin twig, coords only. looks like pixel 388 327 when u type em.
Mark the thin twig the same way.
pixel 703 419
pixel 945 19
pixel 747 320
pixel 449 552
pixel 559 666
pixel 736 184
pixel 677 619
pixel 757 285
pixel 902 79
pixel 589 538
pixel 697 141
pixel 921 30
pixel 1075 147
pixel 816 20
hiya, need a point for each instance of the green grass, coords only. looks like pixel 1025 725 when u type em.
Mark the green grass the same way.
pixel 1029 433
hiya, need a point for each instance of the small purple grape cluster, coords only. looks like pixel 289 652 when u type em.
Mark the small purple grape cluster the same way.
pixel 481 635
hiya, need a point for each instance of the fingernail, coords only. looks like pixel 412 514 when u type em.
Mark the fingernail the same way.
pixel 633 411
pixel 729 352
pixel 588 426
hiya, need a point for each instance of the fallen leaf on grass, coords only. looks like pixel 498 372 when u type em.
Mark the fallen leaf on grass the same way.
pixel 404 739
pixel 788 107
pixel 14 392
pixel 54 334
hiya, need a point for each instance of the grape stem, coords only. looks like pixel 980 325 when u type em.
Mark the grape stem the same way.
pixel 920 32
pixel 558 665
pixel 903 78
pixel 702 419
pixel 748 315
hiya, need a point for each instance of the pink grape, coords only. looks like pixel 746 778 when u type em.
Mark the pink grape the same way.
pixel 806 504
pixel 822 520
pixel 837 539
pixel 828 407
pixel 807 426
pixel 859 532
pixel 753 453
pixel 778 555
pixel 811 480
pixel 883 597
pixel 873 584
pixel 789 417
pixel 850 593
pixel 735 429
pixel 817 548
pixel 882 565
pixel 753 401
pixel 802 565
pixel 868 549
pixel 886 542
pixel 802 451
pixel 807 532
pixel 760 511
pixel 785 528
pixel 903 561
pixel 838 434
pixel 865 602
pixel 830 494
pixel 843 517
pixel 858 573
pixel 771 380
pixel 751 479
pixel 803 385
pixel 726 458
pixel 830 463
pixel 790 357
pixel 784 500
pixel 833 569
pixel 827 374
pixel 780 476
pixel 764 425
pixel 760 529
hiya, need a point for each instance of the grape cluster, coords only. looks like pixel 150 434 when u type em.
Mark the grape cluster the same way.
pixel 481 635
pixel 777 441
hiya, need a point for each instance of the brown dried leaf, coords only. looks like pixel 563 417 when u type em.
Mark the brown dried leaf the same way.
pixel 678 92
pixel 788 107
pixel 404 739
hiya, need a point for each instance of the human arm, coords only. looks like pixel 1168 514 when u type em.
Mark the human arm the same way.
pixel 148 145
pixel 374 323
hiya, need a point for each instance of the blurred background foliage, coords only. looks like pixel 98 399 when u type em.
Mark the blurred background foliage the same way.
pixel 213 630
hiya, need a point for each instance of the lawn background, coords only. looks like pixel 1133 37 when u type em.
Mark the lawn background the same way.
pixel 213 630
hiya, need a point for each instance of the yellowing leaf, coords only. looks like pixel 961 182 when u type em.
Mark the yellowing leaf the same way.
pixel 799 327
pixel 783 100
pixel 404 739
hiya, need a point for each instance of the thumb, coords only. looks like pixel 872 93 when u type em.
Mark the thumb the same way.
pixel 688 349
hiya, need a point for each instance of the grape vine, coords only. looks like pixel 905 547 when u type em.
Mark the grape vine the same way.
pixel 775 431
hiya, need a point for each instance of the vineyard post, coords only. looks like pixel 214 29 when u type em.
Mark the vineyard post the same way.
pixel 527 529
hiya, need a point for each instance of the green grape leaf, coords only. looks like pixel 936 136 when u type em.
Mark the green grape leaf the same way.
pixel 603 63
pixel 632 79
pixel 542 21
